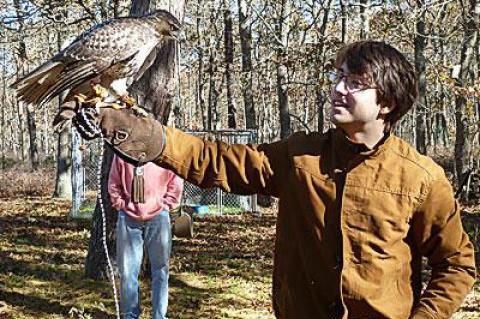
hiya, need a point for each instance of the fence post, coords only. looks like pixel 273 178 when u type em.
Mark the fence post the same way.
pixel 77 175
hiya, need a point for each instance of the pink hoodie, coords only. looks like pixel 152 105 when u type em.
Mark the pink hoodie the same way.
pixel 163 189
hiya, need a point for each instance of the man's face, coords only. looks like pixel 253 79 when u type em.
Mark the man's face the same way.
pixel 354 102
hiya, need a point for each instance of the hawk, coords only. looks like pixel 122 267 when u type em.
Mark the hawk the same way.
pixel 102 63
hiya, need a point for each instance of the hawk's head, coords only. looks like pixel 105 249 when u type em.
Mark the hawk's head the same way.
pixel 165 24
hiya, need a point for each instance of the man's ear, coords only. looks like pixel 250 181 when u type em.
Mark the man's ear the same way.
pixel 386 109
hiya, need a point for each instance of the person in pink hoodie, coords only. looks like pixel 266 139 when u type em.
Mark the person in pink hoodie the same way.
pixel 143 223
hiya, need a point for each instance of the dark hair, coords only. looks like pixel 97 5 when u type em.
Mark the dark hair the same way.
pixel 388 70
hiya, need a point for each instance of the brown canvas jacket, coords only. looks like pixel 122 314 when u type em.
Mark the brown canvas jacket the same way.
pixel 352 225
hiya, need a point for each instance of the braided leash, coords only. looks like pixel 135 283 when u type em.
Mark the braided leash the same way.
pixel 104 225
pixel 92 131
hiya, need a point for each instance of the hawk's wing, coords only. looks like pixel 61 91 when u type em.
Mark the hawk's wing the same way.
pixel 123 45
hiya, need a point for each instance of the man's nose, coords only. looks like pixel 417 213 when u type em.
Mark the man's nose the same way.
pixel 341 86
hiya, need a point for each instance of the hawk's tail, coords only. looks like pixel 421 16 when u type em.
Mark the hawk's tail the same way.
pixel 51 79
pixel 32 87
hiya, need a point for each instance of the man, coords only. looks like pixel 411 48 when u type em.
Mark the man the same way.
pixel 143 222
pixel 358 208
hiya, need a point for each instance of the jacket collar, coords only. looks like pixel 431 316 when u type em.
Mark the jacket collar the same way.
pixel 350 149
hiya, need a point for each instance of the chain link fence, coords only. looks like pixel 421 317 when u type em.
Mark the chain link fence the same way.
pixel 85 161
pixel 215 200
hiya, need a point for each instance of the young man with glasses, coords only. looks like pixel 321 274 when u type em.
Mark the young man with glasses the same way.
pixel 359 207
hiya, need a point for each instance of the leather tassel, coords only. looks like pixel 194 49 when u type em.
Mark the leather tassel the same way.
pixel 138 186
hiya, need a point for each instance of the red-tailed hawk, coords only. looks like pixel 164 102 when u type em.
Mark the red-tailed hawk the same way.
pixel 102 62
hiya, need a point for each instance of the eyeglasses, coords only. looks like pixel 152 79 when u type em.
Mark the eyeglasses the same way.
pixel 353 83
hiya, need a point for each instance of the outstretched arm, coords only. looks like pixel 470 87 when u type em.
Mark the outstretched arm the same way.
pixel 243 169
pixel 237 168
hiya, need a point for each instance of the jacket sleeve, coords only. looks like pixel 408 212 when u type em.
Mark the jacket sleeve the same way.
pixel 173 195
pixel 439 236
pixel 237 168
pixel 115 190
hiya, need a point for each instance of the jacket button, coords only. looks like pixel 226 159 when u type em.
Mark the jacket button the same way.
pixel 335 309
pixel 338 262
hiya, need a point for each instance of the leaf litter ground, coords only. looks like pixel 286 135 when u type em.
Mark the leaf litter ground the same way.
pixel 224 272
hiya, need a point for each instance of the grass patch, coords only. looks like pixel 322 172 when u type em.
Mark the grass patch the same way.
pixel 86 209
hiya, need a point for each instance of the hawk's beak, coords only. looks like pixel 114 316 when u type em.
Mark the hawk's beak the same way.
pixel 179 35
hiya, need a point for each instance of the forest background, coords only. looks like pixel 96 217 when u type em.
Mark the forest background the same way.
pixel 264 65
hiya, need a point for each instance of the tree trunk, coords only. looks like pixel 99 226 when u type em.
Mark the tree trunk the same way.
pixel 320 95
pixel 462 122
pixel 282 70
pixel 22 56
pixel 21 131
pixel 32 133
pixel 365 19
pixel 3 123
pixel 63 180
pixel 153 91
pixel 420 66
pixel 282 93
pixel 344 20
pixel 96 265
pixel 245 30
pixel 201 110
pixel 212 110
pixel 229 67
pixel 13 132
pixel 156 88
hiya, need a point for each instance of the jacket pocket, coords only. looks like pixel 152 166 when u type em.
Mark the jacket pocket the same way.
pixel 377 224
pixel 383 213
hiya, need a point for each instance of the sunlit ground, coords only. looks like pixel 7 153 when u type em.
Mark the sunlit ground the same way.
pixel 224 272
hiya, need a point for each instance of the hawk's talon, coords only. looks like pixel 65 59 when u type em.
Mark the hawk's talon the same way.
pixel 100 91
pixel 128 100
pixel 117 106
pixel 80 98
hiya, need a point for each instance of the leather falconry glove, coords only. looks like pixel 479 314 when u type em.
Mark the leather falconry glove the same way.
pixel 136 139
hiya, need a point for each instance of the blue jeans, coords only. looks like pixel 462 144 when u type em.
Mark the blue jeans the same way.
pixel 132 236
